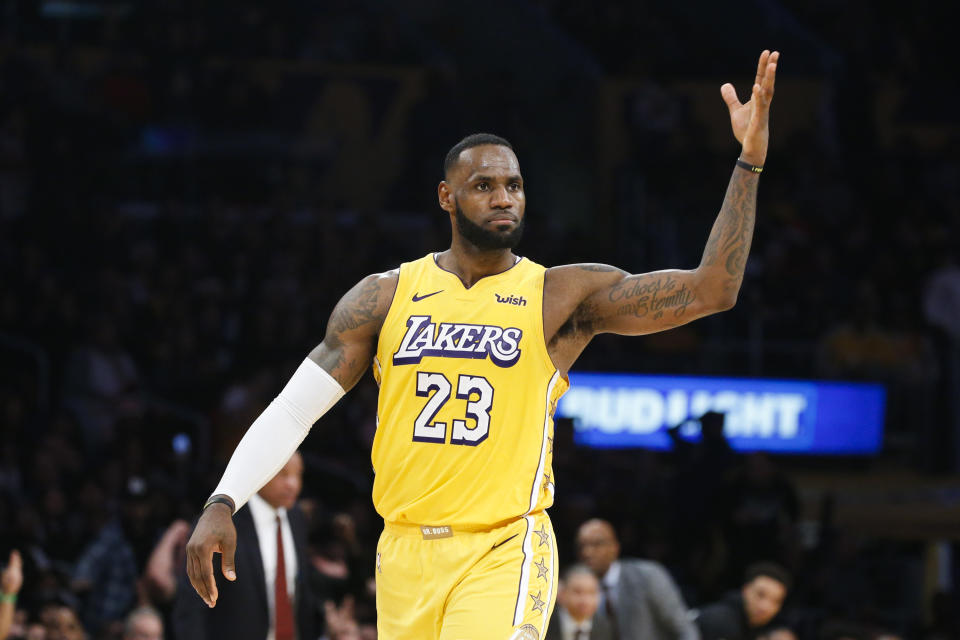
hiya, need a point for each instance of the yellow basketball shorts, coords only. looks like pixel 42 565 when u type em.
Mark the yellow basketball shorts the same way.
pixel 437 583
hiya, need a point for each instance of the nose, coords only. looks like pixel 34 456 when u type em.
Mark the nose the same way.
pixel 499 199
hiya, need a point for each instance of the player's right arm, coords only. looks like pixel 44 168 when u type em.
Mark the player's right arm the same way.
pixel 330 370
pixel 354 326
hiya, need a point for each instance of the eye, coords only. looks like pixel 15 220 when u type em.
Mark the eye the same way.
pixel 514 186
pixel 482 186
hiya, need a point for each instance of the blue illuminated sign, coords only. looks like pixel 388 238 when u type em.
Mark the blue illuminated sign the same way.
pixel 786 416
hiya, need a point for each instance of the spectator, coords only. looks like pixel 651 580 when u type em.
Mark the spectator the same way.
pixel 577 602
pixel 742 615
pixel 62 623
pixel 35 631
pixel 639 598
pixel 143 623
pixel 166 563
pixel 11 579
pixel 341 621
pixel 272 597
pixel 337 558
pixel 106 574
pixel 20 626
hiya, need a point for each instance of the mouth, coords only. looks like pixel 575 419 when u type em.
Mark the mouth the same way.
pixel 502 218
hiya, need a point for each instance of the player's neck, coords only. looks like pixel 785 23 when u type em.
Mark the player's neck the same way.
pixel 470 264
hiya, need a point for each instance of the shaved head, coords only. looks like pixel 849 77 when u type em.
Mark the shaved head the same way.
pixel 473 140
pixel 597 545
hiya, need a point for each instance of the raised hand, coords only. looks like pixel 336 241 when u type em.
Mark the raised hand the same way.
pixel 12 577
pixel 214 533
pixel 751 120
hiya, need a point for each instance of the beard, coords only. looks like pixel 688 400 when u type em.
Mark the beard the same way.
pixel 485 239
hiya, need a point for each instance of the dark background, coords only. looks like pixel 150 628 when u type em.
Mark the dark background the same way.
pixel 186 189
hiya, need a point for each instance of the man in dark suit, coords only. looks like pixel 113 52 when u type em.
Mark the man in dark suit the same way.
pixel 639 599
pixel 275 601
pixel 577 600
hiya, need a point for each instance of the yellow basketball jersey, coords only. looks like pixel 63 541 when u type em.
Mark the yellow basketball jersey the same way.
pixel 467 396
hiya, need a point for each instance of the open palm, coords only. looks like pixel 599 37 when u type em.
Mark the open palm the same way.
pixel 751 120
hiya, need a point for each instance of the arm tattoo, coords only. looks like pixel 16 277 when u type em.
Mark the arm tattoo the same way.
pixel 354 312
pixel 730 238
pixel 651 294
pixel 344 356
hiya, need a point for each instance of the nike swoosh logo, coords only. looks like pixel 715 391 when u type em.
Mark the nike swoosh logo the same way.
pixel 418 298
pixel 505 541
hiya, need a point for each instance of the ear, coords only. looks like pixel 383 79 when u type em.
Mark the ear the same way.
pixel 445 196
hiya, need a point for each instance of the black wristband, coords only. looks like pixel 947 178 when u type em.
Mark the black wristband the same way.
pixel 215 499
pixel 749 167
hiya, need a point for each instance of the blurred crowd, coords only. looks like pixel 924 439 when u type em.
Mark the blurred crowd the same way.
pixel 187 188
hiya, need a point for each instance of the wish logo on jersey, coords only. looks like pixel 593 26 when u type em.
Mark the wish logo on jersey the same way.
pixel 456 340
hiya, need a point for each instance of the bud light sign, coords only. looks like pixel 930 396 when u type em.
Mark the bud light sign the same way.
pixel 785 416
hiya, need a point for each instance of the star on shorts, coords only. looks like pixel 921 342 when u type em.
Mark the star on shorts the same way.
pixel 542 571
pixel 538 604
pixel 543 535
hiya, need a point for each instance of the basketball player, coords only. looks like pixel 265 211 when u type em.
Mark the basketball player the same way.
pixel 471 348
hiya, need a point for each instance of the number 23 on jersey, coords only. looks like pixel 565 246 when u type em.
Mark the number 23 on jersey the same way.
pixel 478 393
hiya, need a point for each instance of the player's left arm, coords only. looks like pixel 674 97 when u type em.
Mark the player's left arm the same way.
pixel 617 302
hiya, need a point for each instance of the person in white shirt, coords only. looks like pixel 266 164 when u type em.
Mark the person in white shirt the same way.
pixel 276 573
pixel 269 510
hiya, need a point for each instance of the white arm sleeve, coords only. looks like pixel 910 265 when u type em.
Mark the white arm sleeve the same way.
pixel 276 434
